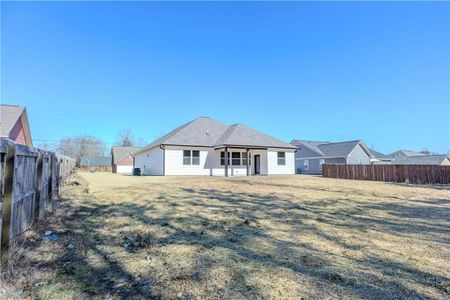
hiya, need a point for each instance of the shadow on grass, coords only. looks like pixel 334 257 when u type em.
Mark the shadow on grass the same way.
pixel 92 269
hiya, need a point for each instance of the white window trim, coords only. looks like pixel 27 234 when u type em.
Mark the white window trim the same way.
pixel 191 158
pixel 282 158
pixel 230 159
pixel 321 162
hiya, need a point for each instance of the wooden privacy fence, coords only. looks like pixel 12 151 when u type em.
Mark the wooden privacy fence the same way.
pixel 420 174
pixel 30 181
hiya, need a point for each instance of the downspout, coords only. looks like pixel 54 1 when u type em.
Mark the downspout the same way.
pixel 164 160
pixel 295 162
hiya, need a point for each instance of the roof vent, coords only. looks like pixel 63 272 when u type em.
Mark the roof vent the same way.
pixel 207 132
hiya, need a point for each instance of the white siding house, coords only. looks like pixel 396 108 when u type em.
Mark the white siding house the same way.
pixel 205 146
pixel 150 162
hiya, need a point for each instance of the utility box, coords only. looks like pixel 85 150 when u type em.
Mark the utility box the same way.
pixel 137 171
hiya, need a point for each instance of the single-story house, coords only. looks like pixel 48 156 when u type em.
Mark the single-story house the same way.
pixel 439 160
pixel 380 158
pixel 406 153
pixel 96 163
pixel 205 146
pixel 311 155
pixel 122 159
pixel 14 124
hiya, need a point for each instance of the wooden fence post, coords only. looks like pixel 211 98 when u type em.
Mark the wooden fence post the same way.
pixel 50 182
pixel 39 209
pixel 7 202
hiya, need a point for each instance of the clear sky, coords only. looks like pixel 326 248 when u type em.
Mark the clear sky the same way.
pixel 376 71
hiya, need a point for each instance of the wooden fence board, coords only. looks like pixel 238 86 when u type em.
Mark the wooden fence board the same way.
pixel 30 182
pixel 418 174
pixel 24 194
pixel 7 191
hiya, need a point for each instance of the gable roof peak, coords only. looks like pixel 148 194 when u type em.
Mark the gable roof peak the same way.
pixel 309 141
pixel 9 116
pixel 120 152
pixel 208 132
pixel 344 142
pixel 334 149
pixel 12 105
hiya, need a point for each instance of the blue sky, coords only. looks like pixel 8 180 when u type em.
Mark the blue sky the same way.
pixel 376 71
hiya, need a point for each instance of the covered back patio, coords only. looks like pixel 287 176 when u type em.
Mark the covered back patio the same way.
pixel 238 159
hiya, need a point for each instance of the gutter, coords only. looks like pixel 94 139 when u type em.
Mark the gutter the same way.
pixel 252 147
pixel 321 157
pixel 175 145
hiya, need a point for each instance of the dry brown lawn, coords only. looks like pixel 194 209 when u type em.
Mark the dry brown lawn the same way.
pixel 283 237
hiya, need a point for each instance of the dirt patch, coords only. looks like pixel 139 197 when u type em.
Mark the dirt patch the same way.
pixel 259 237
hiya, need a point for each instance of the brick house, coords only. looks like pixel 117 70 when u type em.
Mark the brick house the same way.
pixel 14 124
pixel 122 159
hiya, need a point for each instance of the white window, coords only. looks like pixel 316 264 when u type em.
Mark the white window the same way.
pixel 244 159
pixel 186 157
pixel 281 158
pixel 191 157
pixel 235 158
pixel 195 157
pixel 222 158
pixel 321 162
pixel 306 164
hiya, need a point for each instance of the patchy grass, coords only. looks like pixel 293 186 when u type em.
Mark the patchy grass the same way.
pixel 260 237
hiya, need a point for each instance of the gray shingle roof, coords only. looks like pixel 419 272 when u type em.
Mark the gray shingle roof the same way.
pixel 327 149
pixel 9 114
pixel 207 132
pixel 338 149
pixel 380 155
pixel 119 153
pixel 313 145
pixel 239 134
pixel 420 160
pixel 95 161
pixel 406 153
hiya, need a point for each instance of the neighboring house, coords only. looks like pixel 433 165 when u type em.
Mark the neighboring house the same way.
pixel 440 160
pixel 122 159
pixel 97 163
pixel 205 146
pixel 406 153
pixel 380 158
pixel 14 124
pixel 311 155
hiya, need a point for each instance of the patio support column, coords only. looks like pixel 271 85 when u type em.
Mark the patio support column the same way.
pixel 248 161
pixel 226 161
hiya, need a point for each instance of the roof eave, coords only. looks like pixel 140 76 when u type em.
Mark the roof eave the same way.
pixel 253 147
pixel 304 145
pixel 239 146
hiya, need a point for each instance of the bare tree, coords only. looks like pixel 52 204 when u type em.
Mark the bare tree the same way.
pixel 125 138
pixel 81 146
pixel 140 142
pixel 44 146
